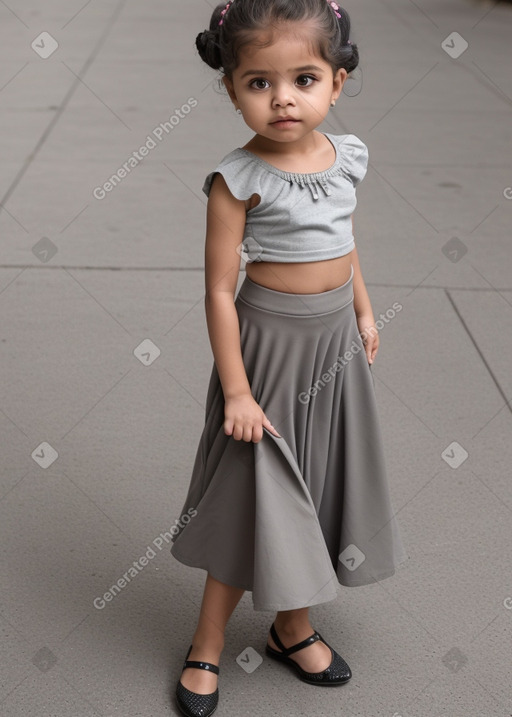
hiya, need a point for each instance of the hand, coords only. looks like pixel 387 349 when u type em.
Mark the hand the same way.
pixel 244 419
pixel 369 335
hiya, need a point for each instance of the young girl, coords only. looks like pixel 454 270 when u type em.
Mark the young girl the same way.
pixel 289 495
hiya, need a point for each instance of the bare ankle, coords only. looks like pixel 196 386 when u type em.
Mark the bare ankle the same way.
pixel 292 620
pixel 208 644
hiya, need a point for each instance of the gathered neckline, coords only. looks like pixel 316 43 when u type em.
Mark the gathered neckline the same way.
pixel 300 177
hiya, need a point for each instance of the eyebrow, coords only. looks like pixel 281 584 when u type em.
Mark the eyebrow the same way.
pixel 305 68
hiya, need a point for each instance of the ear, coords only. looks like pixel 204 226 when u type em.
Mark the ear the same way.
pixel 338 81
pixel 228 84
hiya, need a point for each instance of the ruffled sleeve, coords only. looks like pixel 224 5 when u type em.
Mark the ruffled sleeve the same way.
pixel 354 157
pixel 241 174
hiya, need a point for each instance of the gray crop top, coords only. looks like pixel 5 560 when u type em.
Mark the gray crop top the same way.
pixel 300 217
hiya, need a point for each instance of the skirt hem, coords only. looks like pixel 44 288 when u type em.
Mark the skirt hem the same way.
pixel 293 605
pixel 258 606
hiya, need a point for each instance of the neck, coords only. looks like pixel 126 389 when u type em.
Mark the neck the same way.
pixel 302 147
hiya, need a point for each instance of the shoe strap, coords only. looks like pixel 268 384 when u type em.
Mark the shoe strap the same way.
pixel 200 665
pixel 294 648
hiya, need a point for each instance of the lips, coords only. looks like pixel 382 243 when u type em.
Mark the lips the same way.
pixel 284 123
pixel 284 119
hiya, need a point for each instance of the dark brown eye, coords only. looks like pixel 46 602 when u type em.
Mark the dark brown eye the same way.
pixel 305 80
pixel 259 83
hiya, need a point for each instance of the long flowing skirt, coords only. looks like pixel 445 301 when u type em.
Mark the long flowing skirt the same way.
pixel 290 518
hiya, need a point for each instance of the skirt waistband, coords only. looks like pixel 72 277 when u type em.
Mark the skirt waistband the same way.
pixel 296 304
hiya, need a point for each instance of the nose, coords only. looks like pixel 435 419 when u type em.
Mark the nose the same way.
pixel 283 94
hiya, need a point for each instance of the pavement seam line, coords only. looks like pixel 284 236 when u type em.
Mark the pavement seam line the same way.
pixel 32 155
pixel 478 350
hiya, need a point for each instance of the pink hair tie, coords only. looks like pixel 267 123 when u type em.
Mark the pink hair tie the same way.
pixel 223 12
pixel 335 8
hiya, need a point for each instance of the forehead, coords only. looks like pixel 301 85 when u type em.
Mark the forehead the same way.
pixel 282 48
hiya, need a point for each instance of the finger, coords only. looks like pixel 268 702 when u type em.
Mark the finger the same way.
pixel 228 427
pixel 257 434
pixel 237 432
pixel 370 350
pixel 270 427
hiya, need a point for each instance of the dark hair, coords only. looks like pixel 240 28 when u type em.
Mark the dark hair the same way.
pixel 219 46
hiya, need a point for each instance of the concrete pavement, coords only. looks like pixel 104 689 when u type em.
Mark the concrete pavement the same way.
pixel 105 359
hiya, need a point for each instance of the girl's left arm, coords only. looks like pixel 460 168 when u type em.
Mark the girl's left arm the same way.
pixel 363 310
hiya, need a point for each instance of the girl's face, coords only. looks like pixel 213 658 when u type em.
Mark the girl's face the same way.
pixel 283 80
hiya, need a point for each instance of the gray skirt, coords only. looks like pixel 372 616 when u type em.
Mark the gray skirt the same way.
pixel 290 518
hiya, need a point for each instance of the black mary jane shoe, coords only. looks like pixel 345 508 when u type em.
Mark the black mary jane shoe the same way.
pixel 337 673
pixel 192 704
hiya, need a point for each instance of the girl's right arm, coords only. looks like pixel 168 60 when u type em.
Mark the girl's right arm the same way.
pixel 225 222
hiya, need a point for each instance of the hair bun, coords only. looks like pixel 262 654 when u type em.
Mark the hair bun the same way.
pixel 352 60
pixel 207 44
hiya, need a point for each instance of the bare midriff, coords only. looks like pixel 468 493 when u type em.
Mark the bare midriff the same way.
pixel 311 277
